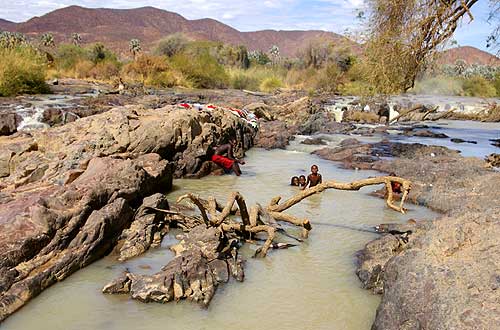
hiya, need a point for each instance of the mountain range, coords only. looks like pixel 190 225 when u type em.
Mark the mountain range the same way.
pixel 115 27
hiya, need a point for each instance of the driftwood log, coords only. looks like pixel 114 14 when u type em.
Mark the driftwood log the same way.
pixel 207 253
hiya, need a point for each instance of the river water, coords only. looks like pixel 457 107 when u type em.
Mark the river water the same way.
pixel 311 286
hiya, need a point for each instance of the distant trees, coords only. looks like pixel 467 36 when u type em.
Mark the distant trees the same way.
pixel 12 39
pixel 135 47
pixel 259 57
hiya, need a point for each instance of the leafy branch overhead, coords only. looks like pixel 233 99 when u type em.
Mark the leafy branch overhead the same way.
pixel 405 35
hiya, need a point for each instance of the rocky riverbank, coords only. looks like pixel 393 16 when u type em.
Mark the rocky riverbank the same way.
pixel 69 194
pixel 72 193
pixel 441 274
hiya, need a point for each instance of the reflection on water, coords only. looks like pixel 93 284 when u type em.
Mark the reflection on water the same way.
pixel 311 286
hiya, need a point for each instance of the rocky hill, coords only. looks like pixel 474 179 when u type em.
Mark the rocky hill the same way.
pixel 6 25
pixel 116 27
pixel 471 55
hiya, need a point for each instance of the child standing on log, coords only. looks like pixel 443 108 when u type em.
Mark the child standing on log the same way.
pixel 314 178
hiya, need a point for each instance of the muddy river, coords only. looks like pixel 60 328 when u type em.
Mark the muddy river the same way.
pixel 311 286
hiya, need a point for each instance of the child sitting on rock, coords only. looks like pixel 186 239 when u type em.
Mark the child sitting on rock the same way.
pixel 224 157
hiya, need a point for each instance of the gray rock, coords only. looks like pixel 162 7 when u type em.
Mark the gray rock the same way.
pixel 314 141
pixel 8 124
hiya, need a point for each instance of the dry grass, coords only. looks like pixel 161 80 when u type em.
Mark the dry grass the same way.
pixel 22 71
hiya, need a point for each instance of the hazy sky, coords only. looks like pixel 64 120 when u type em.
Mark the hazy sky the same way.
pixel 245 15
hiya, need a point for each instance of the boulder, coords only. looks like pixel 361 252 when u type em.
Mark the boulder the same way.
pixel 438 274
pixel 314 141
pixel 492 159
pixel 495 142
pixel 261 110
pixel 56 230
pixel 274 135
pixel 425 133
pixel 198 268
pixel 456 140
pixel 8 124
pixel 69 193
pixel 323 122
pixel 147 228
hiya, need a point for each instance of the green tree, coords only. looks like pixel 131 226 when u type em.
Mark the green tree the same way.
pixel 405 35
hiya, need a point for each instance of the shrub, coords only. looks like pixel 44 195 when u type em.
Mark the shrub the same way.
pixel 479 86
pixel 496 82
pixel 241 80
pixel 22 70
pixel 327 79
pixel 105 70
pixel 67 56
pixel 270 84
pixel 440 85
pixel 356 88
pixel 171 45
pixel 203 71
pixel 145 66
pixel 163 79
pixel 82 69
pixel 98 53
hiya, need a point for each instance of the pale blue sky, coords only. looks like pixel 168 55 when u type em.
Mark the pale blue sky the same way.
pixel 245 15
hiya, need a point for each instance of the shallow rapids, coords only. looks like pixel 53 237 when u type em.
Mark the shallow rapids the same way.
pixel 311 286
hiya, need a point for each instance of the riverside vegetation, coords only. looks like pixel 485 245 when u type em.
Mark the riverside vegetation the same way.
pixel 178 61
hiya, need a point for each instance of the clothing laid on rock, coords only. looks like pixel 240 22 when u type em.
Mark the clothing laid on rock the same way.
pixel 246 115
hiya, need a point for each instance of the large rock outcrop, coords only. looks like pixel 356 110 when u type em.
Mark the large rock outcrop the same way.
pixel 69 194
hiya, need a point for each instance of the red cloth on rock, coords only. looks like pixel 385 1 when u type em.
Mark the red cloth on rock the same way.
pixel 223 161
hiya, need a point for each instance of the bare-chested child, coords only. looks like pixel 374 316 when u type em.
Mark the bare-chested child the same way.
pixel 314 178
pixel 224 157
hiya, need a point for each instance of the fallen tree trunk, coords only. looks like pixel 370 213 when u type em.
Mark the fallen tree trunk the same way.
pixel 208 253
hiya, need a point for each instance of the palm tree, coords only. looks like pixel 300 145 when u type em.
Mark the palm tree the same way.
pixel 135 47
pixel 77 39
pixel 47 40
pixel 275 53
pixel 11 40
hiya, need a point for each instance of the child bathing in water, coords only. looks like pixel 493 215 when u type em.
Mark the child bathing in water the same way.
pixel 295 181
pixel 302 181
pixel 314 178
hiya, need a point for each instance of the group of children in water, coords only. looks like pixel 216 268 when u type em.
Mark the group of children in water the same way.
pixel 312 179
